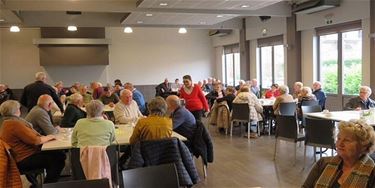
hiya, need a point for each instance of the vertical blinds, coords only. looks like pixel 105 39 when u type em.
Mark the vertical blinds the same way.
pixel 271 41
pixel 233 48
pixel 348 26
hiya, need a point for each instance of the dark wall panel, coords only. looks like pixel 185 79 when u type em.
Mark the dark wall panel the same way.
pixel 82 32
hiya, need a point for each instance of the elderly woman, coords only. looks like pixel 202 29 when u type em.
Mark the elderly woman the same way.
pixel 284 97
pixel 73 111
pixel 26 143
pixel 156 125
pixel 352 166
pixel 93 130
pixel 194 99
pixel 273 92
pixel 217 93
pixel 305 95
pixel 256 109
pixel 87 97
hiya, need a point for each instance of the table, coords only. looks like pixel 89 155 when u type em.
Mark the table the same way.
pixel 57 116
pixel 123 133
pixel 267 102
pixel 338 116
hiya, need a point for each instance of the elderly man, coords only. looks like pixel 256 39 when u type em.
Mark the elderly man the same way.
pixel 240 84
pixel 183 120
pixel 164 89
pixel 40 118
pixel 137 96
pixel 362 102
pixel 254 87
pixel 32 92
pixel 127 111
pixel 73 111
pixel 319 94
pixel 5 94
pixel 108 97
pixel 297 87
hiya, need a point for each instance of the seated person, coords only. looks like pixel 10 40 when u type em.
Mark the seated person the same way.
pixel 352 166
pixel 108 97
pixel 156 125
pixel 138 97
pixel 40 116
pixel 229 96
pixel 183 120
pixel 93 130
pixel 5 93
pixel 87 97
pixel 97 90
pixel 362 102
pixel 273 92
pixel 217 93
pixel 73 111
pixel 284 97
pixel 319 94
pixel 26 143
pixel 126 110
pixel 164 89
pixel 305 95
pixel 297 88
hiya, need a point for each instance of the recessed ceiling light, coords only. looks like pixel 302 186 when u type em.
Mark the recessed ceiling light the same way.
pixel 14 29
pixel 182 30
pixel 72 28
pixel 128 30
pixel 245 6
pixel 140 22
pixel 202 23
pixel 219 16
pixel 163 4
pixel 149 15
pixel 2 20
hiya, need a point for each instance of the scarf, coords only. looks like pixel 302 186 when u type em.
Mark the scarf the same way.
pixel 358 177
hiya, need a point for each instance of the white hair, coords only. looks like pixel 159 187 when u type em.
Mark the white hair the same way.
pixel 283 89
pixel 368 89
pixel 94 108
pixel 75 98
pixel 9 107
pixel 40 76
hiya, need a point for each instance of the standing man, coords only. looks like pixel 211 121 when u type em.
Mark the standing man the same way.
pixel 319 94
pixel 32 92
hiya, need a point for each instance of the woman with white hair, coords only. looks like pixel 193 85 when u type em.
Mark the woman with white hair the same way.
pixel 352 166
pixel 73 111
pixel 284 97
pixel 93 130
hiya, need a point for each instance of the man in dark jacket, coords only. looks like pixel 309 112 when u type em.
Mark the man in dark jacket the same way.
pixel 319 94
pixel 164 89
pixel 32 92
pixel 362 102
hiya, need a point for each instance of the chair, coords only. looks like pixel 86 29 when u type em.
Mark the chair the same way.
pixel 241 113
pixel 288 109
pixel 149 177
pixel 310 103
pixel 102 183
pixel 77 171
pixel 287 130
pixel 35 177
pixel 319 133
pixel 309 109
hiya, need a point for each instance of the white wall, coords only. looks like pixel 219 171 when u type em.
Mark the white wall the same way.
pixel 144 57
pixel 149 55
pixel 308 57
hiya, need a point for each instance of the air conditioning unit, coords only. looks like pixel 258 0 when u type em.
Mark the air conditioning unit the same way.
pixel 311 6
pixel 219 32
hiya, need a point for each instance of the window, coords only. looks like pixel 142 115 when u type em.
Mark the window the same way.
pixel 270 58
pixel 231 65
pixel 340 58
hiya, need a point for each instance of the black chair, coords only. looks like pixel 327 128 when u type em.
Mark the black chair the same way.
pixel 310 103
pixel 241 113
pixel 77 171
pixel 309 109
pixel 149 177
pixel 102 183
pixel 287 130
pixel 288 109
pixel 35 177
pixel 319 133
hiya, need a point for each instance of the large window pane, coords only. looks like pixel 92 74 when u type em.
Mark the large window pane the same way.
pixel 237 68
pixel 279 64
pixel 328 63
pixel 266 61
pixel 352 61
pixel 229 69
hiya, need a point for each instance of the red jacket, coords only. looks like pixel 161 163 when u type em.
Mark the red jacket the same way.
pixel 270 94
pixel 195 100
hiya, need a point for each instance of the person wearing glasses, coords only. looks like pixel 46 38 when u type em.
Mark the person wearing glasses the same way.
pixel 362 102
pixel 352 166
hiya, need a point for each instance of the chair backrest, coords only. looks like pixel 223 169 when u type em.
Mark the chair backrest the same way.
pixel 319 132
pixel 288 109
pixel 309 109
pixel 77 171
pixel 310 103
pixel 240 112
pixel 102 183
pixel 154 176
pixel 286 127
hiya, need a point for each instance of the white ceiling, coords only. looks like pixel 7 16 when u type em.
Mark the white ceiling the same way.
pixel 104 13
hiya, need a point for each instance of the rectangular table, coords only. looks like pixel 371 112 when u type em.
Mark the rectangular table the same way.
pixel 123 133
pixel 338 116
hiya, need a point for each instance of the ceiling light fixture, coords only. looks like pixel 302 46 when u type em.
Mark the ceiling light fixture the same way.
pixel 182 30
pixel 245 6
pixel 2 20
pixel 219 16
pixel 128 30
pixel 148 15
pixel 163 4
pixel 139 22
pixel 14 29
pixel 203 23
pixel 72 28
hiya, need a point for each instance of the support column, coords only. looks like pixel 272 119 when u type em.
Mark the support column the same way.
pixel 293 41
pixel 372 45
pixel 244 53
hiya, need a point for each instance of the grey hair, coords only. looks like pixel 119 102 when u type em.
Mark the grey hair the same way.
pixel 75 98
pixel 363 132
pixel 157 106
pixel 94 108
pixel 40 76
pixel 125 91
pixel 307 90
pixel 283 89
pixel 9 107
pixel 368 89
